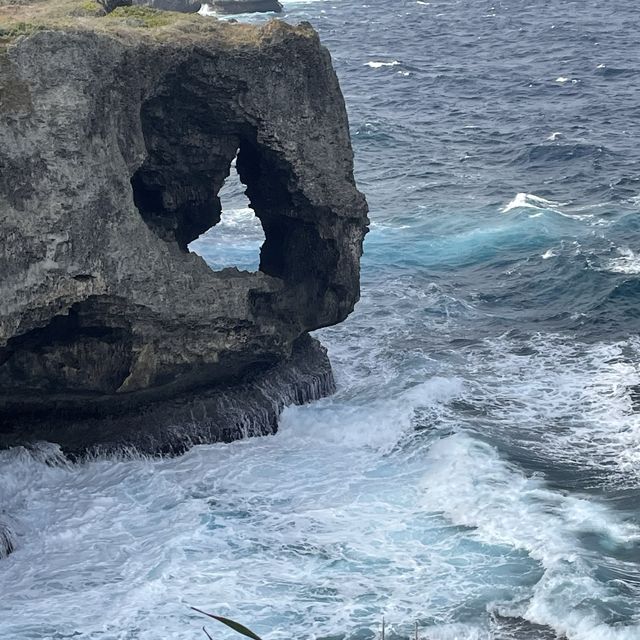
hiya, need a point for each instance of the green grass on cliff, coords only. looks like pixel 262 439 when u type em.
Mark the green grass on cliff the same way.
pixel 138 16
pixel 12 30
pixel 24 17
pixel 20 18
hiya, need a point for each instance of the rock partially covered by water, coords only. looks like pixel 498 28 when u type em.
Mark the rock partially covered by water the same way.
pixel 7 542
pixel 113 148
pixel 245 6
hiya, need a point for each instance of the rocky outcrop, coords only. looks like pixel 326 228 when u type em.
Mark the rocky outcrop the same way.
pixel 245 6
pixel 182 6
pixel 221 413
pixel 110 5
pixel 113 147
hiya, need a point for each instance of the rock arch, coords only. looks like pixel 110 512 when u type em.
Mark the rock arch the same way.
pixel 99 220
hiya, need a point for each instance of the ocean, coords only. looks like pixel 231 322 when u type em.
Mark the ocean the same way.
pixel 478 470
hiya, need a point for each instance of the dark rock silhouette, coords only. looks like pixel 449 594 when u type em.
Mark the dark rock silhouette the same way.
pixel 182 6
pixel 109 5
pixel 245 6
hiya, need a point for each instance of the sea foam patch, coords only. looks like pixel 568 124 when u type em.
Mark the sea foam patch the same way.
pixel 469 483
pixel 376 64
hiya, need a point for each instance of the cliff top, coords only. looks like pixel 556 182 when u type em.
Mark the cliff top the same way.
pixel 24 17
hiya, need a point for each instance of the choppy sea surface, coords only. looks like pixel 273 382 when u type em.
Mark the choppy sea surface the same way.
pixel 478 470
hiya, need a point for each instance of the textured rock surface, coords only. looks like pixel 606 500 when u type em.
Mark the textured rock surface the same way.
pixel 246 408
pixel 113 147
pixel 183 6
pixel 245 6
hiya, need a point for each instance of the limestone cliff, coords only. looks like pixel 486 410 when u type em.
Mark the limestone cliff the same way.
pixel 116 135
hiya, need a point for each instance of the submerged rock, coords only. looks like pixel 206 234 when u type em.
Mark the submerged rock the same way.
pixel 113 149
pixel 245 6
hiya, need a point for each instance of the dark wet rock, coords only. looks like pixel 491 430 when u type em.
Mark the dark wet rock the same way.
pixel 245 6
pixel 244 408
pixel 182 6
pixel 112 151
pixel 7 540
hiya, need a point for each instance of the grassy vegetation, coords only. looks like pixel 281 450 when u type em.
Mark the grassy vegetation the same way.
pixel 141 16
pixel 24 17
pixel 14 29
pixel 88 8
pixel 20 18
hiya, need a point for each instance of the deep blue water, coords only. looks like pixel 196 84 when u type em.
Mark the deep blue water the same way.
pixel 478 470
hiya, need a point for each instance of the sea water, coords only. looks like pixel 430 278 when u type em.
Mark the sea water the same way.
pixel 478 470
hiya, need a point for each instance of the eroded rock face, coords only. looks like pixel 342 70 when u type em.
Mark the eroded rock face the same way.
pixel 112 153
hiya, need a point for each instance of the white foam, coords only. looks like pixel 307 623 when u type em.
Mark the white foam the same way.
pixel 572 400
pixel 326 525
pixel 260 530
pixel 542 205
pixel 528 200
pixel 374 64
pixel 627 262
pixel 508 508
pixel 562 80
pixel 380 426
pixel 554 135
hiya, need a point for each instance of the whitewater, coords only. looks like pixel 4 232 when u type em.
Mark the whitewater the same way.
pixel 478 469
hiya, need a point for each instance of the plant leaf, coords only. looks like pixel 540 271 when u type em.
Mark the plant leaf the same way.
pixel 236 626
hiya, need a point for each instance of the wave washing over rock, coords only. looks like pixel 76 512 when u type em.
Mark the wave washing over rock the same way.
pixel 220 414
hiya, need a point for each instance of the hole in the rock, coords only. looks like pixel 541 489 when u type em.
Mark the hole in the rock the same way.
pixel 236 240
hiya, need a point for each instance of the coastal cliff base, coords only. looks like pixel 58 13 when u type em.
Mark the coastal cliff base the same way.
pixel 250 407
